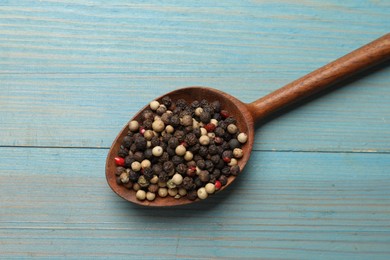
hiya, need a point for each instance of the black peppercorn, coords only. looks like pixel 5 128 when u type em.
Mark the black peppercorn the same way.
pixel 227 154
pixel 195 148
pixel 173 142
pixel 234 143
pixel 168 166
pixel 140 143
pixel 133 176
pixel 230 120
pixel 147 114
pixel 226 171
pixel 181 103
pixel 201 164
pixel 191 139
pixel 119 170
pixel 148 153
pixel 123 152
pixel 164 157
pixel 204 103
pixel 175 120
pixel 148 173
pixel 148 124
pixel 166 118
pixel 220 164
pixel 133 148
pixel 192 195
pixel 139 156
pixel 223 180
pixel 157 168
pixel 203 151
pixel 188 183
pixel 227 137
pixel 163 177
pixel 197 132
pixel 181 168
pixel 213 149
pixel 235 170
pixel 216 105
pixel 223 124
pixel 166 137
pixel 118 180
pixel 171 151
pixel 198 183
pixel 177 159
pixel 215 159
pixel 219 131
pixel 161 110
pixel 166 101
pixel 180 135
pixel 209 165
pixel 205 117
pixel 127 141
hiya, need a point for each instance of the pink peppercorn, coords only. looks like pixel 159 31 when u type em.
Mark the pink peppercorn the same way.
pixel 119 161
pixel 217 185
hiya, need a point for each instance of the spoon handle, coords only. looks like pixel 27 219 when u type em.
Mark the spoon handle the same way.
pixel 369 55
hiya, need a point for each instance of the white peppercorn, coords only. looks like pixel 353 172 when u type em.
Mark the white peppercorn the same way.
pixel 133 125
pixel 158 126
pixel 136 166
pixel 140 194
pixel 162 192
pixel 233 161
pixel 150 196
pixel 214 121
pixel 172 192
pixel 198 111
pixel 232 128
pixel 154 179
pixel 210 188
pixel 154 105
pixel 186 120
pixel 145 164
pixel 202 193
pixel 177 179
pixel 157 151
pixel 204 140
pixel 180 150
pixel 203 131
pixel 136 187
pixel 238 153
pixel 182 192
pixel 148 135
pixel 242 138
pixel 188 156
pixel 169 129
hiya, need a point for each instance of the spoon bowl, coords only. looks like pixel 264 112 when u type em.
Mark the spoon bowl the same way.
pixel 247 114
pixel 237 109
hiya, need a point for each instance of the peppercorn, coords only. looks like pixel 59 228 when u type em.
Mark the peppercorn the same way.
pixel 157 151
pixel 180 135
pixel 162 192
pixel 230 120
pixel 158 126
pixel 181 168
pixel 182 192
pixel 219 165
pixel 197 132
pixel 234 143
pixel 203 151
pixel 154 105
pixel 153 188
pixel 227 154
pixel 209 165
pixel 204 140
pixel 191 171
pixel 123 152
pixel 177 179
pixel 143 182
pixel 177 159
pixel 124 177
pixel 163 176
pixel 128 161
pixel 164 157
pixel 224 113
pixel 195 149
pixel 171 152
pixel 223 124
pixel 148 135
pixel 210 188
pixel 157 168
pixel 154 179
pixel 213 150
pixel 188 183
pixel 238 153
pixel 168 166
pixel 150 196
pixel 166 100
pixel 205 117
pixel 148 173
pixel 133 176
pixel 140 195
pixel 172 192
pixel 192 195
pixel 217 185
pixel 235 170
pixel 188 156
pixel 242 138
pixel 140 143
pixel 204 176
pixel 186 120
pixel 148 153
pixel 223 180
pixel 232 128
pixel 147 114
pixel 133 125
pixel 216 105
pixel 161 110
pixel 218 140
pixel 138 156
pixel 180 150
pixel 203 131
pixel 175 120
pixel 201 164
pixel 119 170
pixel 215 159
pixel 226 171
pixel 202 193
pixel 173 142
pixel 127 141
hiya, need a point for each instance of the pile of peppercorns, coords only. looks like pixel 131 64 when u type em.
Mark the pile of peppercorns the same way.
pixel 180 150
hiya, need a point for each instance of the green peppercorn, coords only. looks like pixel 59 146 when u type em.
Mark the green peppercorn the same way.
pixel 143 182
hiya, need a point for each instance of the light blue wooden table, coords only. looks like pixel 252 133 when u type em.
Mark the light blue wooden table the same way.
pixel 72 73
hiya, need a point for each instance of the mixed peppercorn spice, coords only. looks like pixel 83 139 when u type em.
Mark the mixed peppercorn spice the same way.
pixel 179 149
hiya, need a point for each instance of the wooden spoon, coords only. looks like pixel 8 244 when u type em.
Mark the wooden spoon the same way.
pixel 351 64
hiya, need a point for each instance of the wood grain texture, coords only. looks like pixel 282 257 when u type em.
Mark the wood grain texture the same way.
pixel 285 205
pixel 72 73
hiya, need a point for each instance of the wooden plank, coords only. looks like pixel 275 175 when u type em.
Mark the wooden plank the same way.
pixel 286 205
pixel 75 110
